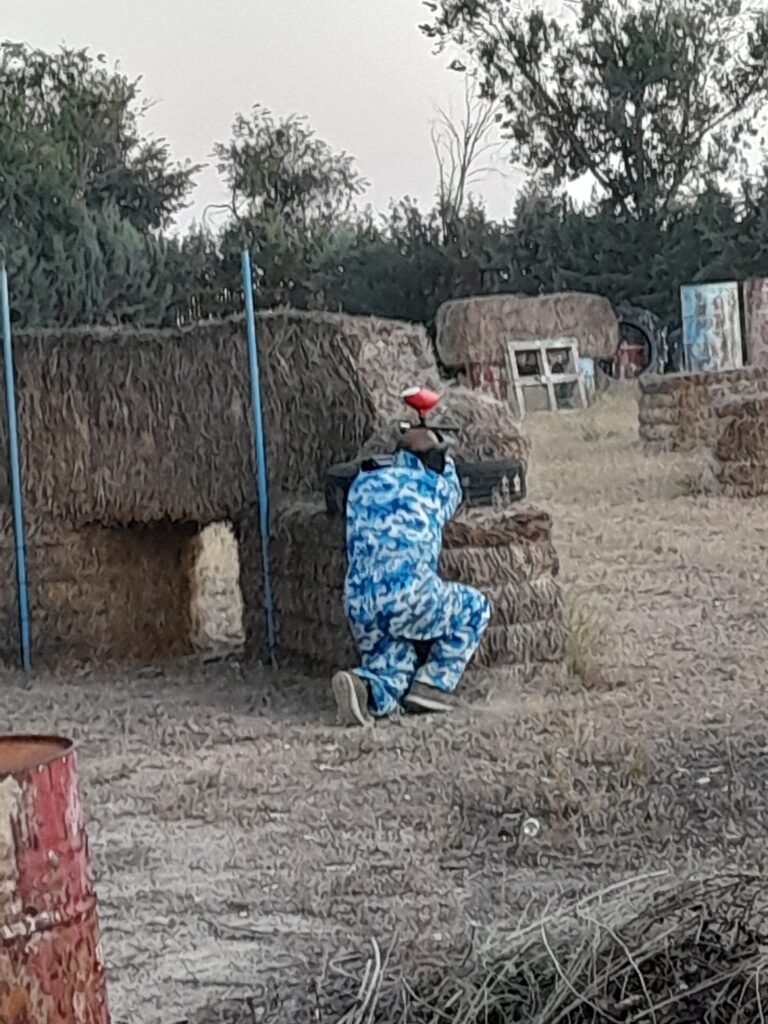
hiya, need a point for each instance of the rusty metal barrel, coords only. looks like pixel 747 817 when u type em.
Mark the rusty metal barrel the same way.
pixel 51 969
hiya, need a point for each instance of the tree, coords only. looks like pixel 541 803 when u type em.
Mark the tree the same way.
pixel 83 196
pixel 71 116
pixel 657 100
pixel 462 148
pixel 281 169
pixel 290 194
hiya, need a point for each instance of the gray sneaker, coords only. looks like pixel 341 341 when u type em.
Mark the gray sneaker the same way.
pixel 351 696
pixel 421 697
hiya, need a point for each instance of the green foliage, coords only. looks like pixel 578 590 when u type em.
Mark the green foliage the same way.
pixel 82 194
pixel 655 99
pixel 658 101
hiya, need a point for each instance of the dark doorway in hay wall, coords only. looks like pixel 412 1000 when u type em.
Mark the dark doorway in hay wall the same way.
pixel 216 597
pixel 102 594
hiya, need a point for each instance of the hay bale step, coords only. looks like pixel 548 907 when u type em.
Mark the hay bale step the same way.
pixel 521 644
pixel 488 567
pixel 524 603
pixel 498 527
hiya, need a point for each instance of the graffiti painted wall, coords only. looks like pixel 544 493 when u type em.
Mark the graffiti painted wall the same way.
pixel 711 326
pixel 756 320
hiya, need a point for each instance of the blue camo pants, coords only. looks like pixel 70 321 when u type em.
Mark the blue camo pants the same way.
pixel 451 615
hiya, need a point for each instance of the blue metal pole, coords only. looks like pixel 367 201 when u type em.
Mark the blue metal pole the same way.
pixel 258 438
pixel 13 448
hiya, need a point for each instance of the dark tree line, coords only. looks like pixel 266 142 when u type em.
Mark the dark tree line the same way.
pixel 657 102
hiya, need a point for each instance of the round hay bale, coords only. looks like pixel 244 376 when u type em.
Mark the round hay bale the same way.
pixel 525 643
pixel 524 603
pixel 495 528
pixel 491 566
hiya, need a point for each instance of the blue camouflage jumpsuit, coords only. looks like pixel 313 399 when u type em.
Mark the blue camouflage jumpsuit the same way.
pixel 393 594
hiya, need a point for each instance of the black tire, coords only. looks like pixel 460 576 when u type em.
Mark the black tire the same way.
pixel 480 481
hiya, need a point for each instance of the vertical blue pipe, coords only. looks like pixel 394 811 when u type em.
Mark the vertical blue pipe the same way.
pixel 258 437
pixel 13 448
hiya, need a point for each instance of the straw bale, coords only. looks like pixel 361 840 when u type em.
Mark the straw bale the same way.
pixel 742 479
pixel 490 566
pixel 508 554
pixel 320 605
pixel 660 433
pixel 475 329
pixel 524 603
pixel 305 642
pixel 391 356
pixel 744 432
pixel 487 527
pixel 526 643
pixel 659 408
pixel 685 404
pixel 486 428
pixel 662 417
pixel 653 402
pixel 658 384
pixel 100 594
pixel 120 426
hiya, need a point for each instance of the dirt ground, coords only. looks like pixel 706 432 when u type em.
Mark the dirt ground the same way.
pixel 247 852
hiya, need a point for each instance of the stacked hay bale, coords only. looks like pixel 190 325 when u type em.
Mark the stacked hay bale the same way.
pixel 508 554
pixel 505 551
pixel 98 594
pixel 676 411
pixel 133 441
pixel 472 333
pixel 740 450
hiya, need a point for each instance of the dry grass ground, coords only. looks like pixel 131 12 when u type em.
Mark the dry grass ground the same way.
pixel 247 849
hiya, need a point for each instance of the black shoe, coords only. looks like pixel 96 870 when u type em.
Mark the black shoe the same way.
pixel 421 697
pixel 351 696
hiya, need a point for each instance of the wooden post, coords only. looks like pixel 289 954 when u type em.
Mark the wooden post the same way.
pixel 51 970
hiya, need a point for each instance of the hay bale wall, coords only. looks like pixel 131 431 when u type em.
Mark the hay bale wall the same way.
pixel 676 411
pixel 122 427
pixel 98 594
pixel 740 448
pixel 119 428
pixel 473 331
pixel 508 554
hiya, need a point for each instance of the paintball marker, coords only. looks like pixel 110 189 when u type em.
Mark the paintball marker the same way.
pixel 483 482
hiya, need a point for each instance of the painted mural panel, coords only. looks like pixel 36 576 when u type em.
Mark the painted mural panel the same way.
pixel 711 326
pixel 756 317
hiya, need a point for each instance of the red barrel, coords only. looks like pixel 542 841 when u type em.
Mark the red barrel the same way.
pixel 51 970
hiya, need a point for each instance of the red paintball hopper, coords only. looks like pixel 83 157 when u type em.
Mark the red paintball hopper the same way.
pixel 421 400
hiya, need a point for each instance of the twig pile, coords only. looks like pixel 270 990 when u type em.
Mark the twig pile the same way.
pixel 681 954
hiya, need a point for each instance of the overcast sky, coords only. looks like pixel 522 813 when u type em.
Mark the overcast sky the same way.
pixel 359 69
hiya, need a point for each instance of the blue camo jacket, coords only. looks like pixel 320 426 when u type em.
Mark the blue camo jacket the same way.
pixel 395 520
